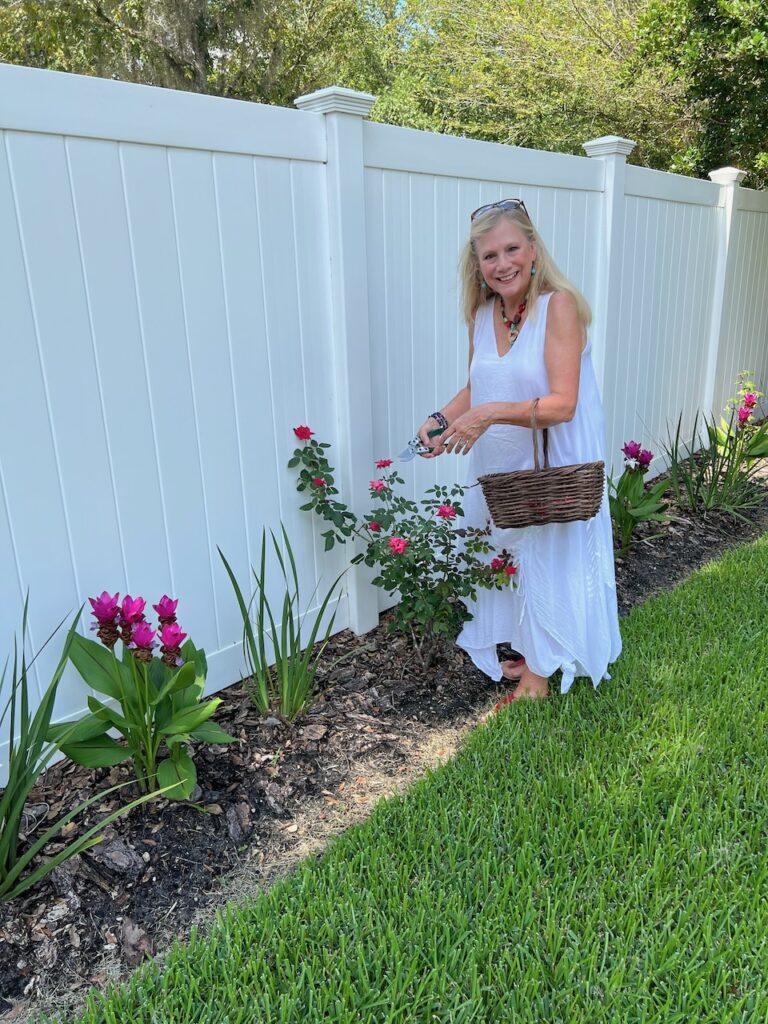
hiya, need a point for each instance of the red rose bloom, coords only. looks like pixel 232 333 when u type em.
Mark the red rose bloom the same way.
pixel 303 433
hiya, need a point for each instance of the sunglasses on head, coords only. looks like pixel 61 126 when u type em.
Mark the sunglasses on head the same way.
pixel 503 204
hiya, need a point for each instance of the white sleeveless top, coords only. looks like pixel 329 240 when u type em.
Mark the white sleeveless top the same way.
pixel 562 614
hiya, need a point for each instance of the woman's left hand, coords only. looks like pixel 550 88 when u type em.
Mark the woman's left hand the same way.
pixel 464 431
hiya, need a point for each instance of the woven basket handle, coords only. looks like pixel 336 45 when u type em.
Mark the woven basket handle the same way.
pixel 545 432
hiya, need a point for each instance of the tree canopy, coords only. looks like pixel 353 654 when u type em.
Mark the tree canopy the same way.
pixel 686 79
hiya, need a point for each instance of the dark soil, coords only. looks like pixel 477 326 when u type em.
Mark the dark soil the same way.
pixel 100 914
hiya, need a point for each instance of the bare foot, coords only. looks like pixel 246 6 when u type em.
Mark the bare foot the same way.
pixel 531 686
pixel 513 669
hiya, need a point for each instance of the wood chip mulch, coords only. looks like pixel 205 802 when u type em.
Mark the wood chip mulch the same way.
pixel 276 795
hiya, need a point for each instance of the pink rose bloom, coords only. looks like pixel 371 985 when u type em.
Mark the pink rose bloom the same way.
pixel 644 459
pixel 446 512
pixel 383 463
pixel 397 545
pixel 318 481
pixel 510 570
pixel 744 415
pixel 165 607
pixel 143 636
pixel 497 563
pixel 303 433
pixel 171 635
pixel 132 609
pixel 374 527
pixel 378 485
pixel 750 400
pixel 105 607
pixel 631 449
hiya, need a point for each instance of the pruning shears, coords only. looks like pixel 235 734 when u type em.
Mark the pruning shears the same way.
pixel 415 447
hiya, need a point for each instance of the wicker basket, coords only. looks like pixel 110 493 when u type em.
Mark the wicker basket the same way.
pixel 552 494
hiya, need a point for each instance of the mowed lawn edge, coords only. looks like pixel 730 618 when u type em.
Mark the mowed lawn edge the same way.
pixel 597 857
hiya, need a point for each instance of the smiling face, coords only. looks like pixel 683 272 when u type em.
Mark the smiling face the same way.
pixel 505 255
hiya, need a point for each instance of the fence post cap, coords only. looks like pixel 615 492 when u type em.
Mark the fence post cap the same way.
pixel 728 176
pixel 609 145
pixel 337 100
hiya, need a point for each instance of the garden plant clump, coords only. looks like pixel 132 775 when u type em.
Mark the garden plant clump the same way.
pixel 631 502
pixel 158 699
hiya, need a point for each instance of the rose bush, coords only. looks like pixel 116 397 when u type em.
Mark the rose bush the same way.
pixel 419 551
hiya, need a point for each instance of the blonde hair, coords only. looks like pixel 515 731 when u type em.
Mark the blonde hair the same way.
pixel 547 278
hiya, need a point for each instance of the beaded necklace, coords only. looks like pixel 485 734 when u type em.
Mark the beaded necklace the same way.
pixel 513 325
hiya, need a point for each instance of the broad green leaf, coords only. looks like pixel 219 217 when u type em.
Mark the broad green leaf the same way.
pixel 178 773
pixel 84 729
pixel 99 667
pixel 98 752
pixel 180 680
pixel 210 732
pixel 190 718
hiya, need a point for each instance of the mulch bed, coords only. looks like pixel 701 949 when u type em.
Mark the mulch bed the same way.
pixel 100 914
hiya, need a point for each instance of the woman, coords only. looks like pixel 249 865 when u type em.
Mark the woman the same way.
pixel 528 339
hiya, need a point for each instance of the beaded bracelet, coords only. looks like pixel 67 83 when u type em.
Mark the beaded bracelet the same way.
pixel 442 422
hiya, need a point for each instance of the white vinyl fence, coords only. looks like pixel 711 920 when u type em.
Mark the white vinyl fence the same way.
pixel 184 279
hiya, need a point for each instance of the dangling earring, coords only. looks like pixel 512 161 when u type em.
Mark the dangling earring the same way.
pixel 483 285
pixel 533 269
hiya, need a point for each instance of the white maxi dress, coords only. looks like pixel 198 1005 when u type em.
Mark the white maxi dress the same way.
pixel 562 613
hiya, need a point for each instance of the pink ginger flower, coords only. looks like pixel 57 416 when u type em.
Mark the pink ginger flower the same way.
pixel 105 607
pixel 143 636
pixel 744 415
pixel 172 636
pixel 497 563
pixel 303 433
pixel 446 512
pixel 750 400
pixel 318 481
pixel 132 610
pixel 644 459
pixel 378 485
pixel 383 463
pixel 397 545
pixel 631 450
pixel 374 527
pixel 166 609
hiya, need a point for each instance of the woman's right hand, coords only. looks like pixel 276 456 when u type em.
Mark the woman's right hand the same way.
pixel 430 442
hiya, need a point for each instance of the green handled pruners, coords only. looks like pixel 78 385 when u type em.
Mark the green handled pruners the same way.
pixel 415 447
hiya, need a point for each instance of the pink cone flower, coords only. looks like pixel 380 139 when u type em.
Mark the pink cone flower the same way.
pixel 303 433
pixel 374 527
pixel 144 636
pixel 172 636
pixel 166 609
pixel 318 481
pixel 644 459
pixel 397 545
pixel 744 415
pixel 378 485
pixel 132 609
pixel 750 400
pixel 383 463
pixel 446 512
pixel 105 607
pixel 631 449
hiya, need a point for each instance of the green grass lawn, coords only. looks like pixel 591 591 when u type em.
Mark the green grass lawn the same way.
pixel 597 857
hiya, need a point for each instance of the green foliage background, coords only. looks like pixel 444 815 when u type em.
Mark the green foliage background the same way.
pixel 686 79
